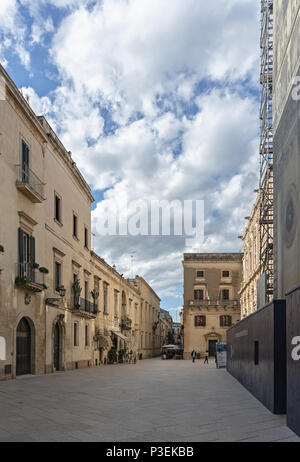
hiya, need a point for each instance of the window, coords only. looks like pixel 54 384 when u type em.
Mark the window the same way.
pixel 130 305
pixel 225 294
pixel 26 250
pixel 87 335
pixel 199 294
pixel 225 274
pixel 86 238
pixel 75 227
pixel 76 334
pixel 225 321
pixel 86 290
pixel 105 299
pixel 57 208
pixel 200 274
pixel 57 275
pixel 116 303
pixel 135 313
pixel 25 162
pixel 256 353
pixel 200 321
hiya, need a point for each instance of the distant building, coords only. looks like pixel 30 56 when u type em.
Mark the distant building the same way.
pixel 211 299
pixel 166 327
pixel 178 333
pixel 251 262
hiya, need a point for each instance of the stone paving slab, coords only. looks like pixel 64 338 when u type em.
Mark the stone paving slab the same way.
pixel 154 400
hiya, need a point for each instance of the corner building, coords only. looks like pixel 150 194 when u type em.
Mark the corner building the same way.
pixel 211 299
pixel 61 305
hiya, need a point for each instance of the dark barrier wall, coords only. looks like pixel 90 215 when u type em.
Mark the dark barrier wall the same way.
pixel 257 355
pixel 293 361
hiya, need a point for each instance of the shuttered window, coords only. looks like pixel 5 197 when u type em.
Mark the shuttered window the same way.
pixel 25 162
pixel 200 321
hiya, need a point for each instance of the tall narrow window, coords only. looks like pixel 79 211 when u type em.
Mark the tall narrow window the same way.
pixel 57 206
pixel 26 257
pixel 116 302
pixel 25 162
pixel 86 290
pixel 199 294
pixel 76 334
pixel 57 275
pixel 225 294
pixel 87 335
pixel 105 298
pixel 86 238
pixel 75 227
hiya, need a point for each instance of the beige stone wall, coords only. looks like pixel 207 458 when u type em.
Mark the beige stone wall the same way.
pixel 251 262
pixel 199 338
pixel 27 207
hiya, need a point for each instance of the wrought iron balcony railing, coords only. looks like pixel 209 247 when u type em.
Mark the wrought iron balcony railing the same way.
pixel 213 303
pixel 30 278
pixel 86 306
pixel 30 184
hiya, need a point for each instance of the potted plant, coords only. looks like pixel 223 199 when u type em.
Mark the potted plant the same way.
pixel 22 281
pixel 95 296
pixel 1 249
pixel 77 291
pixel 112 356
pixel 43 270
pixel 121 355
pixel 35 265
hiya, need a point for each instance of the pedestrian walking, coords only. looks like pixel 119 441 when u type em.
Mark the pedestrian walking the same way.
pixel 193 354
pixel 206 357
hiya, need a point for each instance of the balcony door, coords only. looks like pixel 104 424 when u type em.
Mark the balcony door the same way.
pixel 25 162
pixel 26 247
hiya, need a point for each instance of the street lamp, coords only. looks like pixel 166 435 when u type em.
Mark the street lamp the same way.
pixel 62 291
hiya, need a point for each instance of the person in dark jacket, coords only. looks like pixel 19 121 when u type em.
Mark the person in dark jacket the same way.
pixel 193 355
pixel 206 357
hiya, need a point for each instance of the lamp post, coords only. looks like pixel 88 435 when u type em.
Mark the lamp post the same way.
pixel 62 291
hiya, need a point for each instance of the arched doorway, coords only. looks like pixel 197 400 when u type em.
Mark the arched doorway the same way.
pixel 23 360
pixel 57 348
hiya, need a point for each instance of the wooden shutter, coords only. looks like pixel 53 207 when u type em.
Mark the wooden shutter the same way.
pixel 32 249
pixel 20 245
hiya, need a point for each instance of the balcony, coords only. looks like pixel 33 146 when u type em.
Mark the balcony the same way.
pixel 30 185
pixel 29 278
pixel 86 308
pixel 204 303
pixel 126 323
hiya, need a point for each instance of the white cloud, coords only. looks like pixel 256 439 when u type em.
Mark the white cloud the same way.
pixel 153 102
pixel 130 51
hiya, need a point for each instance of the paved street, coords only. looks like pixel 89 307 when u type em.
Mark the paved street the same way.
pixel 153 400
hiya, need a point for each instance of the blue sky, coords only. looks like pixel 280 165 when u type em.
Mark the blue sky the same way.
pixel 156 100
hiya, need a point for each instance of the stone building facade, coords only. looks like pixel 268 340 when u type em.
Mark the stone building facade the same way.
pixel 61 305
pixel 211 299
pixel 251 261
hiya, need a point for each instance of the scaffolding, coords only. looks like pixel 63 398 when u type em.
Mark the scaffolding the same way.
pixel 266 149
